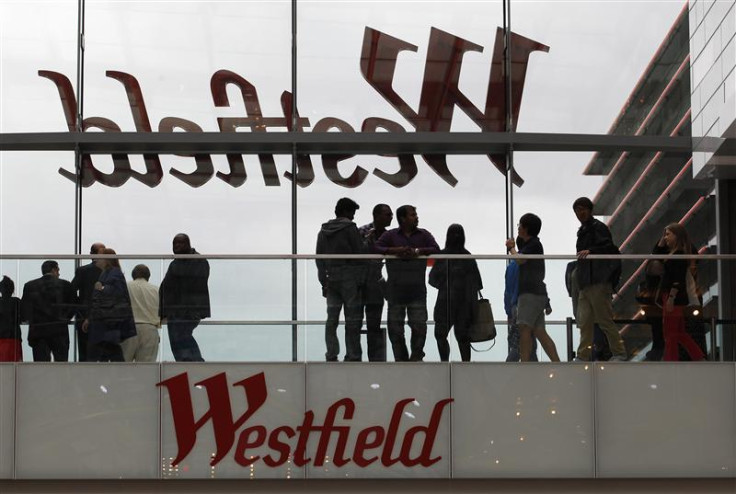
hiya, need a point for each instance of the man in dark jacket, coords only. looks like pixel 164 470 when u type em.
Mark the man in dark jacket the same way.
pixel 48 304
pixel 83 285
pixel 374 292
pixel 595 281
pixel 341 280
pixel 184 300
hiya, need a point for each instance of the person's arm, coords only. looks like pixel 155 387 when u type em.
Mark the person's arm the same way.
pixel 511 246
pixel 321 263
pixel 430 248
pixel 385 245
pixel 26 304
pixel 602 239
pixel 675 273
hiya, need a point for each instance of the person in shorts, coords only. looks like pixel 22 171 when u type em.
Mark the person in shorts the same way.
pixel 533 300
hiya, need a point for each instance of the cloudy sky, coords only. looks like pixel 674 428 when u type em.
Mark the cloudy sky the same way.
pixel 598 51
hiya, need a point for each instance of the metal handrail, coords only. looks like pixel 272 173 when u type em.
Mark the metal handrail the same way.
pixel 551 257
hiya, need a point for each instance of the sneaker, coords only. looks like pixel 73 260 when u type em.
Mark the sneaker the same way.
pixel 618 358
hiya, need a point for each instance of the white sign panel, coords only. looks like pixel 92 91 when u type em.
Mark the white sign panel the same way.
pixel 87 421
pixel 511 420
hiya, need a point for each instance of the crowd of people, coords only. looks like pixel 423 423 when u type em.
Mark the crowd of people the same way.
pixel 115 320
pixel 119 321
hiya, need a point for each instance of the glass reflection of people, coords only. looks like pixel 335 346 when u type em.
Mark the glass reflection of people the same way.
pixel 11 349
pixel 48 304
pixel 407 292
pixel 83 285
pixel 184 300
pixel 374 291
pixel 111 317
pixel 341 280
pixel 533 298
pixel 674 294
pixel 458 282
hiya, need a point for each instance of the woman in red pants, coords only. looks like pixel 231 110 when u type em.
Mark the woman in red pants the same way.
pixel 673 293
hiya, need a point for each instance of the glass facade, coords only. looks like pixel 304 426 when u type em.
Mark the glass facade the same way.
pixel 310 71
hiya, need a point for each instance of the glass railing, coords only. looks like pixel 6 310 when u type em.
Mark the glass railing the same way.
pixel 271 308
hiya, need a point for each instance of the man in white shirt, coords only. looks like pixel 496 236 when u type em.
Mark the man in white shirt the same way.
pixel 144 299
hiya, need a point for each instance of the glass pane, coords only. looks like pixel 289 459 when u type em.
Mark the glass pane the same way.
pixel 38 38
pixel 602 57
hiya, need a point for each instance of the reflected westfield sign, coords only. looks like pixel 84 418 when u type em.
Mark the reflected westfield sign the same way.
pixel 289 442
pixel 439 95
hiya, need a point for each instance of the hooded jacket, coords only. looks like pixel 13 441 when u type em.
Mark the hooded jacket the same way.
pixel 339 236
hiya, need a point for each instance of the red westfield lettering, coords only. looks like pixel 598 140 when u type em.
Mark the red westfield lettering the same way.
pixel 440 94
pixel 372 444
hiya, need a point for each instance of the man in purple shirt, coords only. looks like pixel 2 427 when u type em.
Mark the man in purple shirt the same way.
pixel 407 291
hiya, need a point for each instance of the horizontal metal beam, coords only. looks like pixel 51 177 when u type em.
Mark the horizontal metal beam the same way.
pixel 272 257
pixel 453 143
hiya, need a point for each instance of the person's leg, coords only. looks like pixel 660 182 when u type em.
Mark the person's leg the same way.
pixel 82 343
pixel 130 345
pixel 396 316
pixel 59 346
pixel 669 328
pixel 41 350
pixel 442 327
pixel 353 320
pixel 525 342
pixel 545 340
pixel 548 345
pixel 373 305
pixel 600 301
pixel 334 306
pixel 417 315
pixel 148 341
pixel 513 338
pixel 183 345
pixel 692 348
pixel 114 353
pixel 376 334
pixel 533 357
pixel 585 318
pixel 94 352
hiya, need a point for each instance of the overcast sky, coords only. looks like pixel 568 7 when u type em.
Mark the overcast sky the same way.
pixel 598 51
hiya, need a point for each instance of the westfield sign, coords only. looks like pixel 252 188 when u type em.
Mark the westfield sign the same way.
pixel 439 95
pixel 289 442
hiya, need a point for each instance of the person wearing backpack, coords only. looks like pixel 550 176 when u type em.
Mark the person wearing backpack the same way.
pixel 596 280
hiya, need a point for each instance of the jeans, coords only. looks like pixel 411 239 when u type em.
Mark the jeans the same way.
pixel 513 339
pixel 183 345
pixel 344 293
pixel 373 305
pixel 416 312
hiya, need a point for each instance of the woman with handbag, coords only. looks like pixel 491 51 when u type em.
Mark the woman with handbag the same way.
pixel 533 298
pixel 673 293
pixel 111 315
pixel 458 282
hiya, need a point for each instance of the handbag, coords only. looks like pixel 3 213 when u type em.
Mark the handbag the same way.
pixel 483 327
